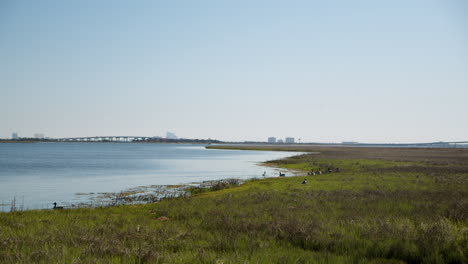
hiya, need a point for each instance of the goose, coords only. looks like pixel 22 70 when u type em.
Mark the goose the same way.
pixel 57 207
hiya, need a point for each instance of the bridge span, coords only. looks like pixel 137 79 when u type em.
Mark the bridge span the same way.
pixel 105 139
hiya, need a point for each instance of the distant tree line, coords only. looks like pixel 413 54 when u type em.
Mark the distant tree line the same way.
pixel 179 140
pixel 25 139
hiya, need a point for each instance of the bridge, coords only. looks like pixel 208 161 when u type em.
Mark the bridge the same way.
pixel 105 139
pixel 440 144
pixel 407 144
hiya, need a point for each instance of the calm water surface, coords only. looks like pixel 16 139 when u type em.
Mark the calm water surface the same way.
pixel 38 174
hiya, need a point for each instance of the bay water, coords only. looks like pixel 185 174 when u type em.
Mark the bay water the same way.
pixel 34 175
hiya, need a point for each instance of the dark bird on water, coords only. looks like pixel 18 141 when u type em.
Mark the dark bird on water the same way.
pixel 57 207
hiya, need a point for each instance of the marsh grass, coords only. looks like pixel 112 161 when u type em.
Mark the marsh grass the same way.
pixel 373 211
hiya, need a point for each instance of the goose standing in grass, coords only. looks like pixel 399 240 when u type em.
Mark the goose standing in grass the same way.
pixel 57 207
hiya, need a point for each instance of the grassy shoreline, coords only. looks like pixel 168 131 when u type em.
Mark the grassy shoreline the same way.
pixel 385 206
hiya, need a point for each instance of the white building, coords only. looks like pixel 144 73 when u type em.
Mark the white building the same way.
pixel 170 135
pixel 289 140
pixel 272 140
pixel 280 141
pixel 14 135
pixel 39 135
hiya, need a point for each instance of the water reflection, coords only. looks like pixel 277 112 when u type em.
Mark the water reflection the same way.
pixel 37 175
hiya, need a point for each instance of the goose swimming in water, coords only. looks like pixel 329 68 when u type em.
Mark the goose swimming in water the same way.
pixel 57 207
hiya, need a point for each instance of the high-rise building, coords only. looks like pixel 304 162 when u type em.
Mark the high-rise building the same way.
pixel 289 140
pixel 14 135
pixel 170 135
pixel 39 135
pixel 272 140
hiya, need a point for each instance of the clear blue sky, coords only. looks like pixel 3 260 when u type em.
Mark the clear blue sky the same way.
pixel 322 71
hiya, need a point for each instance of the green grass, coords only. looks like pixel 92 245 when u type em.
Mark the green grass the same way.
pixel 374 211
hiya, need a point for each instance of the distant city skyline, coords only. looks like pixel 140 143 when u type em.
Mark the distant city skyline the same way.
pixel 172 136
pixel 321 71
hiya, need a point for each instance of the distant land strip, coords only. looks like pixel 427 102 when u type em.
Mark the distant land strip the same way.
pixel 236 145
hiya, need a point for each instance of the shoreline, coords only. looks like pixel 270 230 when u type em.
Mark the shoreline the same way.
pixel 144 194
